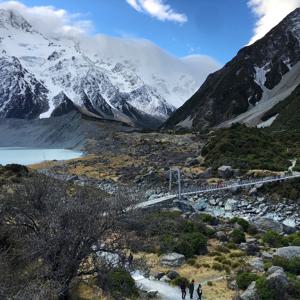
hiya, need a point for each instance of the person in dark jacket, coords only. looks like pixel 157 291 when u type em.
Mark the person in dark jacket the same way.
pixel 199 292
pixel 183 289
pixel 191 288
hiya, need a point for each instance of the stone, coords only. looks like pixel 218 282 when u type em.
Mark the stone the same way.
pixel 172 260
pixel 152 294
pixel 184 206
pixel 173 275
pixel 257 264
pixel 253 192
pixel 266 256
pixel 159 275
pixel 252 249
pixel 265 224
pixel 232 285
pixel 278 282
pixel 201 205
pixel 288 252
pixel 250 293
pixel 225 172
pixel 206 174
pixel 274 269
pixel 230 205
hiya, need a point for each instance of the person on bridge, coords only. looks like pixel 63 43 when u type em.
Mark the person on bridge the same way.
pixel 199 292
pixel 191 288
pixel 183 289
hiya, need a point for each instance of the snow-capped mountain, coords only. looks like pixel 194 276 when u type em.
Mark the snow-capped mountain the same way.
pixel 131 81
pixel 260 76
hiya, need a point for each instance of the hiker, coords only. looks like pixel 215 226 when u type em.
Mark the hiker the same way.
pixel 199 292
pixel 191 288
pixel 130 260
pixel 183 289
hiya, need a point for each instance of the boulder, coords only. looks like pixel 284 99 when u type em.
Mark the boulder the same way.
pixel 250 293
pixel 173 275
pixel 184 206
pixel 172 260
pixel 288 252
pixel 257 264
pixel 279 283
pixel 274 269
pixel 201 205
pixel 206 174
pixel 265 224
pixel 165 279
pixel 266 256
pixel 230 205
pixel 159 275
pixel 225 172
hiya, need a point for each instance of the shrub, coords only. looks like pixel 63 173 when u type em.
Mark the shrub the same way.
pixel 209 219
pixel 217 266
pixel 242 222
pixel 191 261
pixel 273 239
pixel 263 289
pixel 210 283
pixel 185 248
pixel 121 284
pixel 237 236
pixel 244 279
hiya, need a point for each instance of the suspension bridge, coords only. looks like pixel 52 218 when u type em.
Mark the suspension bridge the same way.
pixel 213 188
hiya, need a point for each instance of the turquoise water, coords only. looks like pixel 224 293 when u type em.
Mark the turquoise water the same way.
pixel 27 156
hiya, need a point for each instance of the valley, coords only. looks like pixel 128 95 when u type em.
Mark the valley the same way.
pixel 109 189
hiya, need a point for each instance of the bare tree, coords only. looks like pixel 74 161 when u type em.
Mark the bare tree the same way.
pixel 51 228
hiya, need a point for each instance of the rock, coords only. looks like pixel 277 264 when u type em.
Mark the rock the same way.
pixel 250 293
pixel 279 283
pixel 201 205
pixel 230 205
pixel 257 264
pixel 225 172
pixel 206 174
pixel 287 228
pixel 288 252
pixel 274 269
pixel 232 285
pixel 221 236
pixel 173 275
pixel 265 224
pixel 172 260
pixel 190 162
pixel 266 256
pixel 152 294
pixel 253 192
pixel 184 206
pixel 159 275
pixel 252 249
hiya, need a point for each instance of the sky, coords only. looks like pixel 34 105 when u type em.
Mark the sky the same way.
pixel 216 28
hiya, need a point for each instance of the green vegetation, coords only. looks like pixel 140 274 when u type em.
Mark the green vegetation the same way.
pixel 263 289
pixel 292 265
pixel 121 284
pixel 244 279
pixel 237 236
pixel 274 239
pixel 242 222
pixel 168 232
pixel 252 148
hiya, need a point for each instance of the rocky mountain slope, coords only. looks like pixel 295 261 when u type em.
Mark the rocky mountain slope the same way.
pixel 44 74
pixel 260 76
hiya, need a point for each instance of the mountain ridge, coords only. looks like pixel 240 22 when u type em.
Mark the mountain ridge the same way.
pixel 243 83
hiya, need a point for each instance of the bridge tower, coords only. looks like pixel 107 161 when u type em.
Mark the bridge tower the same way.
pixel 177 172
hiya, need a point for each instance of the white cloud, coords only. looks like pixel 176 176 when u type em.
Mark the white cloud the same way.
pixel 158 9
pixel 269 14
pixel 49 18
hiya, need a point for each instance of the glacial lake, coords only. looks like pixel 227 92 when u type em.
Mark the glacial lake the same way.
pixel 28 156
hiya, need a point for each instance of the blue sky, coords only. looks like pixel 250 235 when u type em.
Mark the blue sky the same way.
pixel 217 28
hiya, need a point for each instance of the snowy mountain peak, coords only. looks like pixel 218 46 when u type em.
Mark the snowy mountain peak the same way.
pixel 134 82
pixel 9 18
